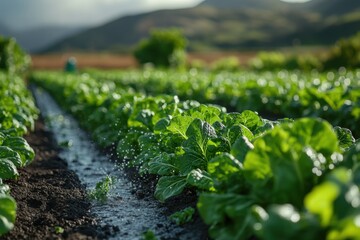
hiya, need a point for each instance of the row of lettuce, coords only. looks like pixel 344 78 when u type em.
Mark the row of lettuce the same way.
pixel 272 180
pixel 17 114
pixel 334 95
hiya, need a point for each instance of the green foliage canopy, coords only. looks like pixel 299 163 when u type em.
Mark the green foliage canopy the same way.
pixel 345 53
pixel 164 48
pixel 12 58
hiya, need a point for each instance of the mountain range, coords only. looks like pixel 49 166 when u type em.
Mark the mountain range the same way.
pixel 229 24
pixel 254 4
pixel 218 24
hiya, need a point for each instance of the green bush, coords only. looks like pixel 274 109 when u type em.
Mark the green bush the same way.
pixel 268 61
pixel 345 53
pixel 229 64
pixel 164 48
pixel 308 62
pixel 12 58
pixel 302 62
pixel 197 64
pixel 276 61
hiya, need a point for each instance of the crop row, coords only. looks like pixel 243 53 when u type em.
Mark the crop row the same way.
pixel 17 114
pixel 334 96
pixel 280 179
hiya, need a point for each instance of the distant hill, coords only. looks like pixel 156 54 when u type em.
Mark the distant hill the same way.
pixel 253 4
pixel 324 7
pixel 333 7
pixel 228 24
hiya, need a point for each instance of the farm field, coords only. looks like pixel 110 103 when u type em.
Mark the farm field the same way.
pixel 331 95
pixel 105 60
pixel 228 158
pixel 119 61
pixel 195 151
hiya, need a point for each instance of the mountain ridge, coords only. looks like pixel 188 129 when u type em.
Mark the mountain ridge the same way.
pixel 254 4
pixel 217 24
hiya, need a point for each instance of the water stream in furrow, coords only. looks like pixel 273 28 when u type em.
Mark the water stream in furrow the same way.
pixel 123 209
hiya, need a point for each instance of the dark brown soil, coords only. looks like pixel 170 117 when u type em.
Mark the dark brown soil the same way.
pixel 188 199
pixel 48 196
pixel 146 184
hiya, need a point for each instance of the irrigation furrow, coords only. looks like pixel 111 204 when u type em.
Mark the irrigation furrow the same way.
pixel 123 210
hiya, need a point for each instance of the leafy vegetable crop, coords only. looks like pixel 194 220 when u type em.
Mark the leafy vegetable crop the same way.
pixel 332 95
pixel 255 177
pixel 17 114
pixel 183 216
pixel 12 58
pixel 102 188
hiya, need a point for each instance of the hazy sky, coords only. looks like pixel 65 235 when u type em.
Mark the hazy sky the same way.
pixel 25 14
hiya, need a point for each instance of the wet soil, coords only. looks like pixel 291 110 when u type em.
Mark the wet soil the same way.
pixel 144 188
pixel 130 206
pixel 49 196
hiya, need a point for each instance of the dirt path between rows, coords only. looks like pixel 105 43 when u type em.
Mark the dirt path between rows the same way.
pixel 51 198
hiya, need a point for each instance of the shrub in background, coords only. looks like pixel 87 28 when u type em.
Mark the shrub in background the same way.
pixel 164 48
pixel 228 64
pixel 268 61
pixel 302 62
pixel 12 58
pixel 308 62
pixel 345 53
pixel 197 64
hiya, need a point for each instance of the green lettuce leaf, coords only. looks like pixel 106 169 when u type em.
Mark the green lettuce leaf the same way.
pixel 336 203
pixel 4 189
pixel 8 153
pixel 200 179
pixel 20 146
pixel 207 113
pixel 169 186
pixel 248 118
pixel 198 135
pixel 163 165
pixel 2 138
pixel 291 156
pixel 240 148
pixel 8 169
pixel 352 157
pixel 286 223
pixel 180 124
pixel 228 215
pixel 346 139
pixel 7 213
pixel 236 131
pixel 226 172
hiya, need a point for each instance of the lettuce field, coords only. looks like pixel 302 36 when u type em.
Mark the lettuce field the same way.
pixel 252 176
pixel 262 154
pixel 18 113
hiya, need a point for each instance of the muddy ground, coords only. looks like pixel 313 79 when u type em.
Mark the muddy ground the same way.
pixel 50 196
